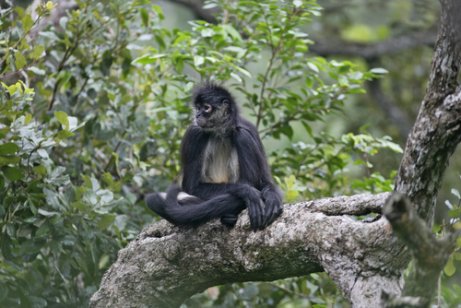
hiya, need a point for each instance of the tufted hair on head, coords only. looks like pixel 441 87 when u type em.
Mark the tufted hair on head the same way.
pixel 210 91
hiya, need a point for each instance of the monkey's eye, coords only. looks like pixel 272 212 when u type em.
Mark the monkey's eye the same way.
pixel 207 108
pixel 225 101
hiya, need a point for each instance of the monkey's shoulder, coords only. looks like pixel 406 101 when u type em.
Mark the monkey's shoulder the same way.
pixel 247 132
pixel 244 124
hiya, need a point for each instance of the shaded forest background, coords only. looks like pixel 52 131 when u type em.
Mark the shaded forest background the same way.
pixel 94 102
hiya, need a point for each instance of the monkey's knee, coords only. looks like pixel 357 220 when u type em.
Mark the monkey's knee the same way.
pixel 156 202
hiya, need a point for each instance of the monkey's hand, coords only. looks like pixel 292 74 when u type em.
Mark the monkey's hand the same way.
pixel 255 209
pixel 252 198
pixel 272 198
pixel 256 213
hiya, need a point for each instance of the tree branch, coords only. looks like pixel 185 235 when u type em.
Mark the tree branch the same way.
pixel 430 253
pixel 165 265
pixel 393 45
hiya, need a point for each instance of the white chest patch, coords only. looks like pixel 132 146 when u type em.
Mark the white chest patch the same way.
pixel 220 162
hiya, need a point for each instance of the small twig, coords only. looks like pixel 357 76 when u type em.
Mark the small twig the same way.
pixel 61 64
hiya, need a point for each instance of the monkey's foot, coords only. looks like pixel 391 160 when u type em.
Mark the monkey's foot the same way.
pixel 229 220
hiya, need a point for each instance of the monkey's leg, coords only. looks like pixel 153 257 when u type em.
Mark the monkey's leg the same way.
pixel 182 209
pixel 193 211
pixel 157 203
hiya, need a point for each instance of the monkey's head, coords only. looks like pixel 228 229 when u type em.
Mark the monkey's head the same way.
pixel 215 109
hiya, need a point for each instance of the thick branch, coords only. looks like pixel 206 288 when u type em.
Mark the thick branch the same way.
pixel 437 130
pixel 430 254
pixel 393 45
pixel 165 264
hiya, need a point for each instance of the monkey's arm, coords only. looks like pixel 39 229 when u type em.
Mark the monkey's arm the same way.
pixel 255 169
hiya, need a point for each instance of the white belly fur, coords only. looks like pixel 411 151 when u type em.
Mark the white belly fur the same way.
pixel 220 162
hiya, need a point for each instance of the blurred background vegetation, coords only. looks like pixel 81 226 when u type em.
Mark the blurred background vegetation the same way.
pixel 94 101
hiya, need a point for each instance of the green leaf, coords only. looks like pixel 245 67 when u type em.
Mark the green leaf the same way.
pixel 64 134
pixel 20 60
pixel 379 71
pixel 8 148
pixel 49 5
pixel 37 52
pixel 297 3
pixel 243 71
pixel 236 77
pixel 287 130
pixel 40 170
pixel 158 9
pixel 455 213
pixel 149 59
pixel 61 116
pixel 105 221
pixel 207 32
pixel 13 173
pixel 47 213
pixel 27 23
pixel 455 193
pixel 198 61
pixel 313 67
pixel 232 32
pixel 5 160
pixel 36 71
pixel 103 261
pixel 450 268
pixel 144 16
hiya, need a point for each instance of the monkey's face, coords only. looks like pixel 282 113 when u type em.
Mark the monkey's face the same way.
pixel 212 114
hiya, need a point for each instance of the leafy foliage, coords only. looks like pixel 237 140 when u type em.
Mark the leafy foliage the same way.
pixel 454 213
pixel 92 111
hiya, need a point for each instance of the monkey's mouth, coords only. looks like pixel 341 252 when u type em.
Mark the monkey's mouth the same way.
pixel 202 122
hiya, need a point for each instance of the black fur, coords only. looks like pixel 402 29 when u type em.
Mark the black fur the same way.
pixel 254 189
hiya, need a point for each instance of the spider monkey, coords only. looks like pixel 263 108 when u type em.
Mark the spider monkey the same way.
pixel 224 168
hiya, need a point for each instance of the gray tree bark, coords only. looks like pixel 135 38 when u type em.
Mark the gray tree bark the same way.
pixel 165 264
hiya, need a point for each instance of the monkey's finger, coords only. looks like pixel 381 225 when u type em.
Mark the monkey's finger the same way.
pixel 266 212
pixel 254 217
pixel 262 214
pixel 256 214
pixel 273 214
